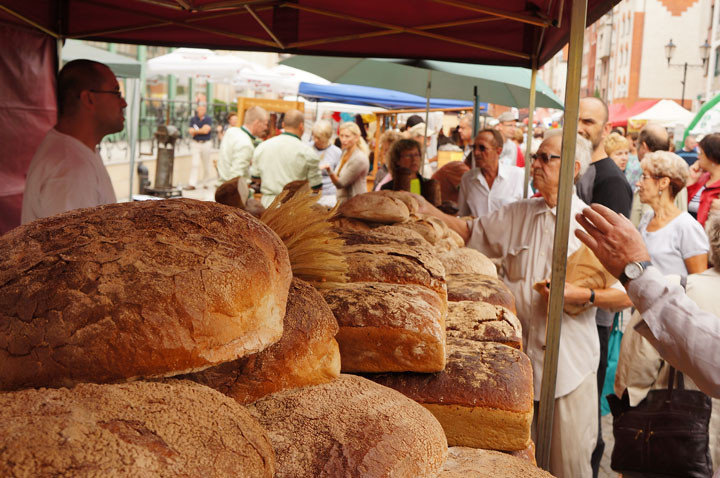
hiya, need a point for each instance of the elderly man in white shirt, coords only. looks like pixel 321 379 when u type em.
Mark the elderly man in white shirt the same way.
pixel 490 184
pixel 520 234
pixel 238 145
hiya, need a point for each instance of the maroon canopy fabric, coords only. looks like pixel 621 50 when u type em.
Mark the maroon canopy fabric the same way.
pixel 504 32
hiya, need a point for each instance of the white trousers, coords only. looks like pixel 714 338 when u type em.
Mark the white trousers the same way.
pixel 200 155
pixel 575 428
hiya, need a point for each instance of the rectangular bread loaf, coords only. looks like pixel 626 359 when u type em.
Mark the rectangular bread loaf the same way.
pixel 483 398
pixel 388 327
pixel 479 288
pixel 483 322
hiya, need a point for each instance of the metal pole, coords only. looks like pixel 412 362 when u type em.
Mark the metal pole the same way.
pixel 476 112
pixel 427 118
pixel 682 101
pixel 531 114
pixel 562 229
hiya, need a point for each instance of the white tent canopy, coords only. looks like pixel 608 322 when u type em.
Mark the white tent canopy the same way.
pixel 280 80
pixel 667 113
pixel 197 63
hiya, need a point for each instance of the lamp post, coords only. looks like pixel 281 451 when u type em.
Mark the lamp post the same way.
pixel 704 55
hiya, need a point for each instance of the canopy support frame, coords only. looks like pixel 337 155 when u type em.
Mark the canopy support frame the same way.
pixel 530 131
pixel 562 230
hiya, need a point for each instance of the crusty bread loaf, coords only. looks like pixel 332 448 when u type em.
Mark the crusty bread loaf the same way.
pixel 342 223
pixel 466 462
pixel 479 288
pixel 350 428
pixel 465 260
pixel 144 289
pixel 483 398
pixel 376 207
pixel 396 264
pixel 384 235
pixel 388 327
pixel 527 454
pixel 307 353
pixel 430 231
pixel 483 322
pixel 408 198
pixel 176 428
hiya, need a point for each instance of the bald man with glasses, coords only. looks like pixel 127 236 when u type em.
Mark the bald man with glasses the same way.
pixel 66 171
pixel 490 184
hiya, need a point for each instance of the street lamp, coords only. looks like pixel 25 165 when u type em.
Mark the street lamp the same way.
pixel 704 55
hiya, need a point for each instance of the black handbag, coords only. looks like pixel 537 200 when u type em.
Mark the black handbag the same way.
pixel 664 435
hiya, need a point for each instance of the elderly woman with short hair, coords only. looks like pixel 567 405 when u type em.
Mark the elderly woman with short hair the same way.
pixel 676 242
pixel 329 155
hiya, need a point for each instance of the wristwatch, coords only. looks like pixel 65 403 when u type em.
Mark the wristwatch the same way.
pixel 633 270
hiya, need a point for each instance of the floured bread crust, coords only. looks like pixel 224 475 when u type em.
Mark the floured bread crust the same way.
pixel 389 235
pixel 396 264
pixel 483 398
pixel 388 327
pixel 350 428
pixel 171 429
pixel 479 288
pixel 466 462
pixel 307 353
pixel 483 322
pixel 144 289
pixel 376 207
pixel 465 260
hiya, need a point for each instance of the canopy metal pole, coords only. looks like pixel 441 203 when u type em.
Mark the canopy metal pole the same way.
pixel 427 119
pixel 529 138
pixel 476 112
pixel 562 229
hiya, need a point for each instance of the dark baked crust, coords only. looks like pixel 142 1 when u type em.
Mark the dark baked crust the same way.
pixel 171 429
pixel 307 353
pixel 350 428
pixel 389 235
pixel 483 322
pixel 395 264
pixel 388 327
pixel 479 288
pixel 143 289
pixel 376 207
pixel 477 374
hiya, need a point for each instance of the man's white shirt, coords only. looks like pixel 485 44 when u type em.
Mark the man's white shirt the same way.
pixel 477 199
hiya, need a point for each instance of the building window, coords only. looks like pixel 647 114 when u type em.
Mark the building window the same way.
pixel 717 62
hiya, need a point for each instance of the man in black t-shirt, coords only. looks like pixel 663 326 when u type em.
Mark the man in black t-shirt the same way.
pixel 200 147
pixel 603 183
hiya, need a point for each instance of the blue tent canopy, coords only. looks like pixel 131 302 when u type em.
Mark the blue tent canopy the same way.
pixel 371 96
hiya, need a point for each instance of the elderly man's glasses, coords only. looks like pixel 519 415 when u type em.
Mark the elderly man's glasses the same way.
pixel 109 92
pixel 544 157
pixel 480 147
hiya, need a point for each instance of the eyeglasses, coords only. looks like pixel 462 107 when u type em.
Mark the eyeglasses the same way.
pixel 544 157
pixel 109 92
pixel 646 176
pixel 480 147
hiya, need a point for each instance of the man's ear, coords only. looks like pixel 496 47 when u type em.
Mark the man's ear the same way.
pixel 606 129
pixel 86 98
pixel 577 169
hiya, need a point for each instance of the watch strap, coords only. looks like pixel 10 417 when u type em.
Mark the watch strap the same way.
pixel 624 279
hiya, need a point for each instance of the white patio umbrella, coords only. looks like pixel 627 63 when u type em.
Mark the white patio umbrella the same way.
pixel 198 63
pixel 280 80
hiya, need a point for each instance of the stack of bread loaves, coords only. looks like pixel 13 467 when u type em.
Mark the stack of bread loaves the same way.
pixel 480 389
pixel 99 299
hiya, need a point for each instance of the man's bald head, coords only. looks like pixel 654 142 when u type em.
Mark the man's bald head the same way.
pixel 653 137
pixel 293 119
pixel 75 77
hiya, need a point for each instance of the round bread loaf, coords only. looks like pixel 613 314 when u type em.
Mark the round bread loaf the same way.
pixel 307 353
pixel 145 289
pixel 170 429
pixel 350 427
pixel 479 288
pixel 376 207
pixel 341 223
pixel 466 462
pixel 384 235
pixel 430 231
pixel 408 198
pixel 483 322
pixel 465 260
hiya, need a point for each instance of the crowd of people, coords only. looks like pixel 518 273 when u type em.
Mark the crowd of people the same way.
pixel 654 213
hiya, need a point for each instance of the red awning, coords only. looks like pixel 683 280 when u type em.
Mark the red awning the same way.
pixel 505 32
pixel 620 118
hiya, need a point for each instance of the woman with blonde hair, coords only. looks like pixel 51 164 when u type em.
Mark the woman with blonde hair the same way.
pixel 676 242
pixel 617 147
pixel 349 176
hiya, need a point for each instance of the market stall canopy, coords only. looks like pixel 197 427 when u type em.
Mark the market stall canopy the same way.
pixel 122 66
pixel 502 32
pixel 665 112
pixel 368 95
pixel 619 116
pixel 199 63
pixel 281 80
pixel 509 86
